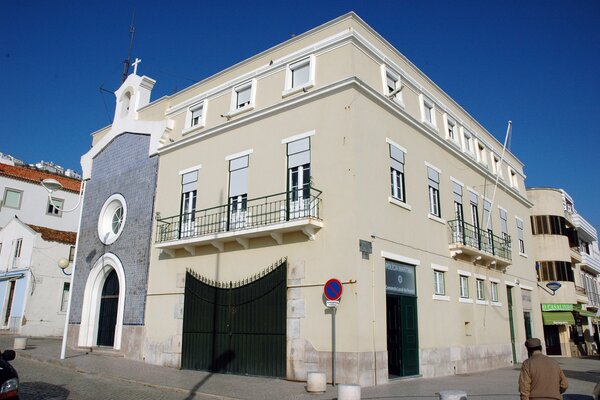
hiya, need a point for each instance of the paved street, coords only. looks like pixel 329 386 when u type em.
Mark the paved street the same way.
pixel 99 376
pixel 43 381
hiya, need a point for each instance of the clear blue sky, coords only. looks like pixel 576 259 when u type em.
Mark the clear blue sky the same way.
pixel 536 63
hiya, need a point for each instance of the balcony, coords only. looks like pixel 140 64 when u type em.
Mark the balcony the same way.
pixel 273 215
pixel 591 260
pixel 477 245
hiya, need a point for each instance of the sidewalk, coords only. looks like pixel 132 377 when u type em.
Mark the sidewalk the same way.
pixel 500 384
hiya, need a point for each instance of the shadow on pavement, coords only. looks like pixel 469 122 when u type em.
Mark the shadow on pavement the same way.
pixel 42 391
pixel 587 376
pixel 577 397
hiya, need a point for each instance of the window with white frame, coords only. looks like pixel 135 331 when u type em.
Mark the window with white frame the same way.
pixel 503 222
pixel 397 172
pixel 464 286
pixel 12 198
pixel 55 206
pixel 494 290
pixel 392 85
pixel 468 146
pixel 481 154
pixel 487 215
pixel 243 95
pixel 298 153
pixel 300 75
pixel 433 177
pixel 189 185
pixel 238 192
pixel 480 289
pixel 496 166
pixel 451 128
pixel 18 244
pixel 512 176
pixel 195 117
pixel 438 283
pixel 428 111
pixel 474 205
pixel 520 235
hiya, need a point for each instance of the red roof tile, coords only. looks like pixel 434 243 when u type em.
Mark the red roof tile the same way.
pixel 52 235
pixel 33 175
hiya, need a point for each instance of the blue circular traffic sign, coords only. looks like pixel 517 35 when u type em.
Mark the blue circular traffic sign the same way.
pixel 333 289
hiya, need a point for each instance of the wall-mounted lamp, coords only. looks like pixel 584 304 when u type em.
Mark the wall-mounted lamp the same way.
pixel 63 263
pixel 51 186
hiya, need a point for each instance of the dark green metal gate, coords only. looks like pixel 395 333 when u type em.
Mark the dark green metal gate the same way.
pixel 236 328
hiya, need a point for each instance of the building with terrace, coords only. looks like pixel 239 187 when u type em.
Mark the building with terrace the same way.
pixel 566 248
pixel 327 156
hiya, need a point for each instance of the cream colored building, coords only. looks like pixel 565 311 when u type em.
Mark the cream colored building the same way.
pixel 333 156
pixel 566 246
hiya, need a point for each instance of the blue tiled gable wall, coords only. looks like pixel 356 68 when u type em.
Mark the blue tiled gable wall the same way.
pixel 122 167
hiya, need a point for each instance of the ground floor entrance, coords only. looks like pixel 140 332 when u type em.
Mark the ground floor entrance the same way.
pixel 236 327
pixel 551 333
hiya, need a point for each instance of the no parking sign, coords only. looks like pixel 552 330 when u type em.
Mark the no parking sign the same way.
pixel 333 292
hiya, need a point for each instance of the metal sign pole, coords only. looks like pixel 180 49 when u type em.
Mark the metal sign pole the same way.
pixel 334 309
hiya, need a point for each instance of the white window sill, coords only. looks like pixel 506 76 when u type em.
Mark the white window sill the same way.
pixel 436 219
pixel 239 111
pixel 453 142
pixel 397 100
pixel 523 255
pixel 440 297
pixel 496 304
pixel 430 125
pixel 191 129
pixel 465 300
pixel 482 302
pixel 303 88
pixel 399 203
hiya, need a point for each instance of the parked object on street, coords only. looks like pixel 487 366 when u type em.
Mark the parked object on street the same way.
pixel 9 379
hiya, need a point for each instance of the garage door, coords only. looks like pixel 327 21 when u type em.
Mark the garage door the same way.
pixel 238 327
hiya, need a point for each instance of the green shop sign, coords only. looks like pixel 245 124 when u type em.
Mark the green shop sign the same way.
pixel 557 307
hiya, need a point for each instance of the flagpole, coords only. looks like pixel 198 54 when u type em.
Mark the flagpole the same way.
pixel 508 129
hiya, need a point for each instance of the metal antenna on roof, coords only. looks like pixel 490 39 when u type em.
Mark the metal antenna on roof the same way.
pixel 127 61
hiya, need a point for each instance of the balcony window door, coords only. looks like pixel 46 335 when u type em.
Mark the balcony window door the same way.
pixel 474 200
pixel 458 213
pixel 189 182
pixel 298 153
pixel 238 193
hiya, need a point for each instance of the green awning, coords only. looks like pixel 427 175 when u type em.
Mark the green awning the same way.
pixel 586 313
pixel 558 318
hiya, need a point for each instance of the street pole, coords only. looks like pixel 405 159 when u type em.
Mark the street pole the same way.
pixel 334 309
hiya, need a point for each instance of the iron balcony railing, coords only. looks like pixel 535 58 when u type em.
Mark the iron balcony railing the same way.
pixel 469 235
pixel 241 215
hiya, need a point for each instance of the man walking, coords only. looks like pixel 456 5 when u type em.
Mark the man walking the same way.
pixel 541 377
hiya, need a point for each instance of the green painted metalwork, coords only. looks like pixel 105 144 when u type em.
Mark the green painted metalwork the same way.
pixel 236 327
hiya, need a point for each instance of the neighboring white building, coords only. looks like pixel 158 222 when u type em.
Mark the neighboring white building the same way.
pixel 23 196
pixel 33 290
pixel 34 236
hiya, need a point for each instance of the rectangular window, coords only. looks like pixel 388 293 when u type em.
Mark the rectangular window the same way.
pixel 18 244
pixel 481 156
pixel 464 286
pixel 434 191
pixel 503 223
pixel 243 96
pixel 480 289
pixel 392 85
pixel 55 207
pixel 450 128
pixel 71 253
pixel 12 198
pixel 189 182
pixel 299 75
pixel 427 111
pixel 468 142
pixel 197 115
pixel 238 192
pixel 298 153
pixel 397 172
pixel 520 235
pixel 64 300
pixel 487 216
pixel 438 282
pixel 474 200
pixel 513 178
pixel 496 166
pixel 494 289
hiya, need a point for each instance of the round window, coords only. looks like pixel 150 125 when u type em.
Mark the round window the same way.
pixel 112 219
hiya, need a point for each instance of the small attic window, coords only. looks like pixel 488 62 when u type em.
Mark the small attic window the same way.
pixel 126 100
